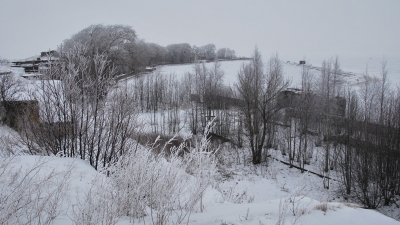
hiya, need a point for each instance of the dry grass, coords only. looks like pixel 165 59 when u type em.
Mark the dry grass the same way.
pixel 351 205
pixel 303 211
pixel 324 207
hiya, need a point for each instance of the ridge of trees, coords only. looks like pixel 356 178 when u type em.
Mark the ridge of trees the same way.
pixel 129 54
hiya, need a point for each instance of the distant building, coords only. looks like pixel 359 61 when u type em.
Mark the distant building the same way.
pixel 302 62
pixel 17 109
pixel 32 76
pixel 17 113
pixel 216 101
pixel 34 105
pixel 200 61
pixel 292 98
pixel 5 72
pixel 36 63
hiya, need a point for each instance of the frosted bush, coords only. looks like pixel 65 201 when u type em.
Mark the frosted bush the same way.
pixel 97 205
pixel 159 185
pixel 33 195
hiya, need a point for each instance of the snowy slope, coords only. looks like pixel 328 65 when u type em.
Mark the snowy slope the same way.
pixel 355 68
pixel 263 210
pixel 250 195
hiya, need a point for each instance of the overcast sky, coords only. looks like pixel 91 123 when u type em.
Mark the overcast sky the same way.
pixel 294 29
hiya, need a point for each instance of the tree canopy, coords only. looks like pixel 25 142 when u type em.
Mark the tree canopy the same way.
pixel 131 55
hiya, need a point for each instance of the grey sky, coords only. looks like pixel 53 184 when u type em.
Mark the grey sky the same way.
pixel 292 28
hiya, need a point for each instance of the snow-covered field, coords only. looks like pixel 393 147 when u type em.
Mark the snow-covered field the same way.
pixel 355 66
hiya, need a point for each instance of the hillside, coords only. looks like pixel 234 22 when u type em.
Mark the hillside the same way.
pixel 242 194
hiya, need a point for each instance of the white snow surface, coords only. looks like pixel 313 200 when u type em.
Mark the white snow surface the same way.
pixel 355 67
pixel 249 195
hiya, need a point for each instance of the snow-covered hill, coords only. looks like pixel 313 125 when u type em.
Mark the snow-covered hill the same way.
pixel 243 194
pixel 353 70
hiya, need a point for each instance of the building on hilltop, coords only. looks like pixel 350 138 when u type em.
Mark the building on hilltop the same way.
pixel 36 63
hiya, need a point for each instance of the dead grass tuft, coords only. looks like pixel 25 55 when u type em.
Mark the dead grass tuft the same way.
pixel 324 207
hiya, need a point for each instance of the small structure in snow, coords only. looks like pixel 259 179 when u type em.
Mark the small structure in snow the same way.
pixel 34 104
pixel 150 69
pixel 200 61
pixel 302 62
pixel 216 101
pixel 16 114
pixel 32 76
pixel 294 99
pixel 5 72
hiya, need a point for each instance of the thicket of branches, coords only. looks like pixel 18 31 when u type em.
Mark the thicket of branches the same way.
pixel 191 101
pixel 368 144
pixel 260 90
pixel 81 115
pixel 84 114
pixel 358 130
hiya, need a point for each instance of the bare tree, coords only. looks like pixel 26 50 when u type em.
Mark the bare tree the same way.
pixel 383 91
pixel 259 90
pixel 83 116
pixel 346 154
pixel 306 114
pixel 337 80
pixel 328 90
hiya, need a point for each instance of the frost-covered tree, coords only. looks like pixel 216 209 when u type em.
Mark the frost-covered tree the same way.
pixel 180 53
pixel 225 53
pixel 207 52
pixel 82 116
pixel 117 42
